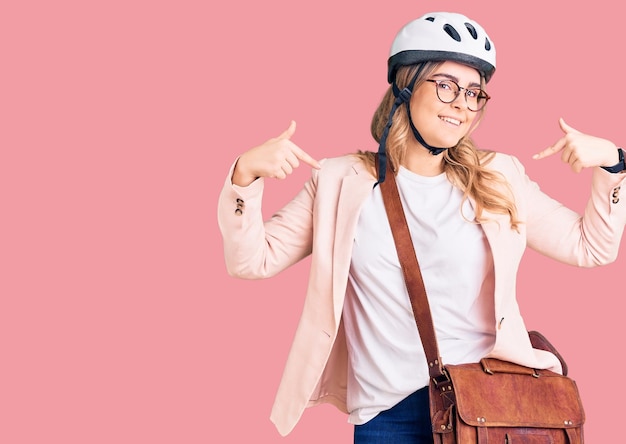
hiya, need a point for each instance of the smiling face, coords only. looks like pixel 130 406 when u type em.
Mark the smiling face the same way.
pixel 444 124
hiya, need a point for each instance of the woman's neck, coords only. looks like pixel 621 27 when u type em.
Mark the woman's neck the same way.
pixel 419 160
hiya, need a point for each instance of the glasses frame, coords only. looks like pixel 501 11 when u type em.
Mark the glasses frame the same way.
pixel 460 88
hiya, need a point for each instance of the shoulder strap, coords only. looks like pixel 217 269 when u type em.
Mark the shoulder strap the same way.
pixel 412 274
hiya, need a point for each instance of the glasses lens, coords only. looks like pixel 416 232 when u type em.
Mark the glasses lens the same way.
pixel 447 91
pixel 476 99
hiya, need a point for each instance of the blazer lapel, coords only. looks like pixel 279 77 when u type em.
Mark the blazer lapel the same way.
pixel 507 247
pixel 354 190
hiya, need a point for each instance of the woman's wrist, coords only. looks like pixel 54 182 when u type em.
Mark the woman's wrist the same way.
pixel 240 177
pixel 619 166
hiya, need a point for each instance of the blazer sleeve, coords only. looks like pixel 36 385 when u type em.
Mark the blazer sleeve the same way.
pixel 254 248
pixel 586 240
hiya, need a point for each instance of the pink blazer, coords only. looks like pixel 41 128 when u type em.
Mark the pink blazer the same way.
pixel 321 221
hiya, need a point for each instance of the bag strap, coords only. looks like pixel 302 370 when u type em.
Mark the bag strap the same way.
pixel 412 274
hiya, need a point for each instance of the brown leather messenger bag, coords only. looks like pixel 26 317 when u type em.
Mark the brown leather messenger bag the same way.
pixel 492 401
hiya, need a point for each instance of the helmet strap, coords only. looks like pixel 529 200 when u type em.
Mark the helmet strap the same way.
pixel 433 149
pixel 403 96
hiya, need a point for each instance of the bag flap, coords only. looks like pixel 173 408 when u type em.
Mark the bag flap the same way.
pixel 501 399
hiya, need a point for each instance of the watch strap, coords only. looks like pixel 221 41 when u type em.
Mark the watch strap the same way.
pixel 619 166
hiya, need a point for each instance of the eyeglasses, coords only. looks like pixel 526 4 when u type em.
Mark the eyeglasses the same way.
pixel 449 90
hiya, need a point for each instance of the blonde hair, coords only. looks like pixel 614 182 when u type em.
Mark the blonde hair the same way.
pixel 464 164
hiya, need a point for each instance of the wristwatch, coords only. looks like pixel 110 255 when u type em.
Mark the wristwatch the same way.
pixel 619 166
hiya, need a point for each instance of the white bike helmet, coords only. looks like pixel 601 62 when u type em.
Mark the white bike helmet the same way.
pixel 440 36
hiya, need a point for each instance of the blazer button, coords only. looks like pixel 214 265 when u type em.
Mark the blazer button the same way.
pixel 238 212
pixel 240 204
pixel 616 200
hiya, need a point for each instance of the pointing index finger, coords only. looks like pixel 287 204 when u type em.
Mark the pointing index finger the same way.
pixel 558 146
pixel 306 158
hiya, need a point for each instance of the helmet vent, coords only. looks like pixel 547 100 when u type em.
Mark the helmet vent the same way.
pixel 452 32
pixel 487 44
pixel 430 19
pixel 471 30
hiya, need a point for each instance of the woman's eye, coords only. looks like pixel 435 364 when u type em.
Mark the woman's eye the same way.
pixel 445 85
pixel 472 93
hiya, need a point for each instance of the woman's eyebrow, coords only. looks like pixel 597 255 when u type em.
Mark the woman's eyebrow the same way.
pixel 456 79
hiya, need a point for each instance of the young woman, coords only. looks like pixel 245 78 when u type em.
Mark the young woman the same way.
pixel 471 214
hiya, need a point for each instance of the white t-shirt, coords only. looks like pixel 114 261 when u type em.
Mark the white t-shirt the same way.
pixel 387 361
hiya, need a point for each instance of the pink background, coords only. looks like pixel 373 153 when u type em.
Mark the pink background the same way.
pixel 119 121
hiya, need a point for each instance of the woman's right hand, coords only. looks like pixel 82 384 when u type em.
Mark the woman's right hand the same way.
pixel 581 150
pixel 275 158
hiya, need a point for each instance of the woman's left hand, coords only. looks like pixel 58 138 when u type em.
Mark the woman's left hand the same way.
pixel 581 150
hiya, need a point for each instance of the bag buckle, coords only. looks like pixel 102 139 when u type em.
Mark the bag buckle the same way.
pixel 442 381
